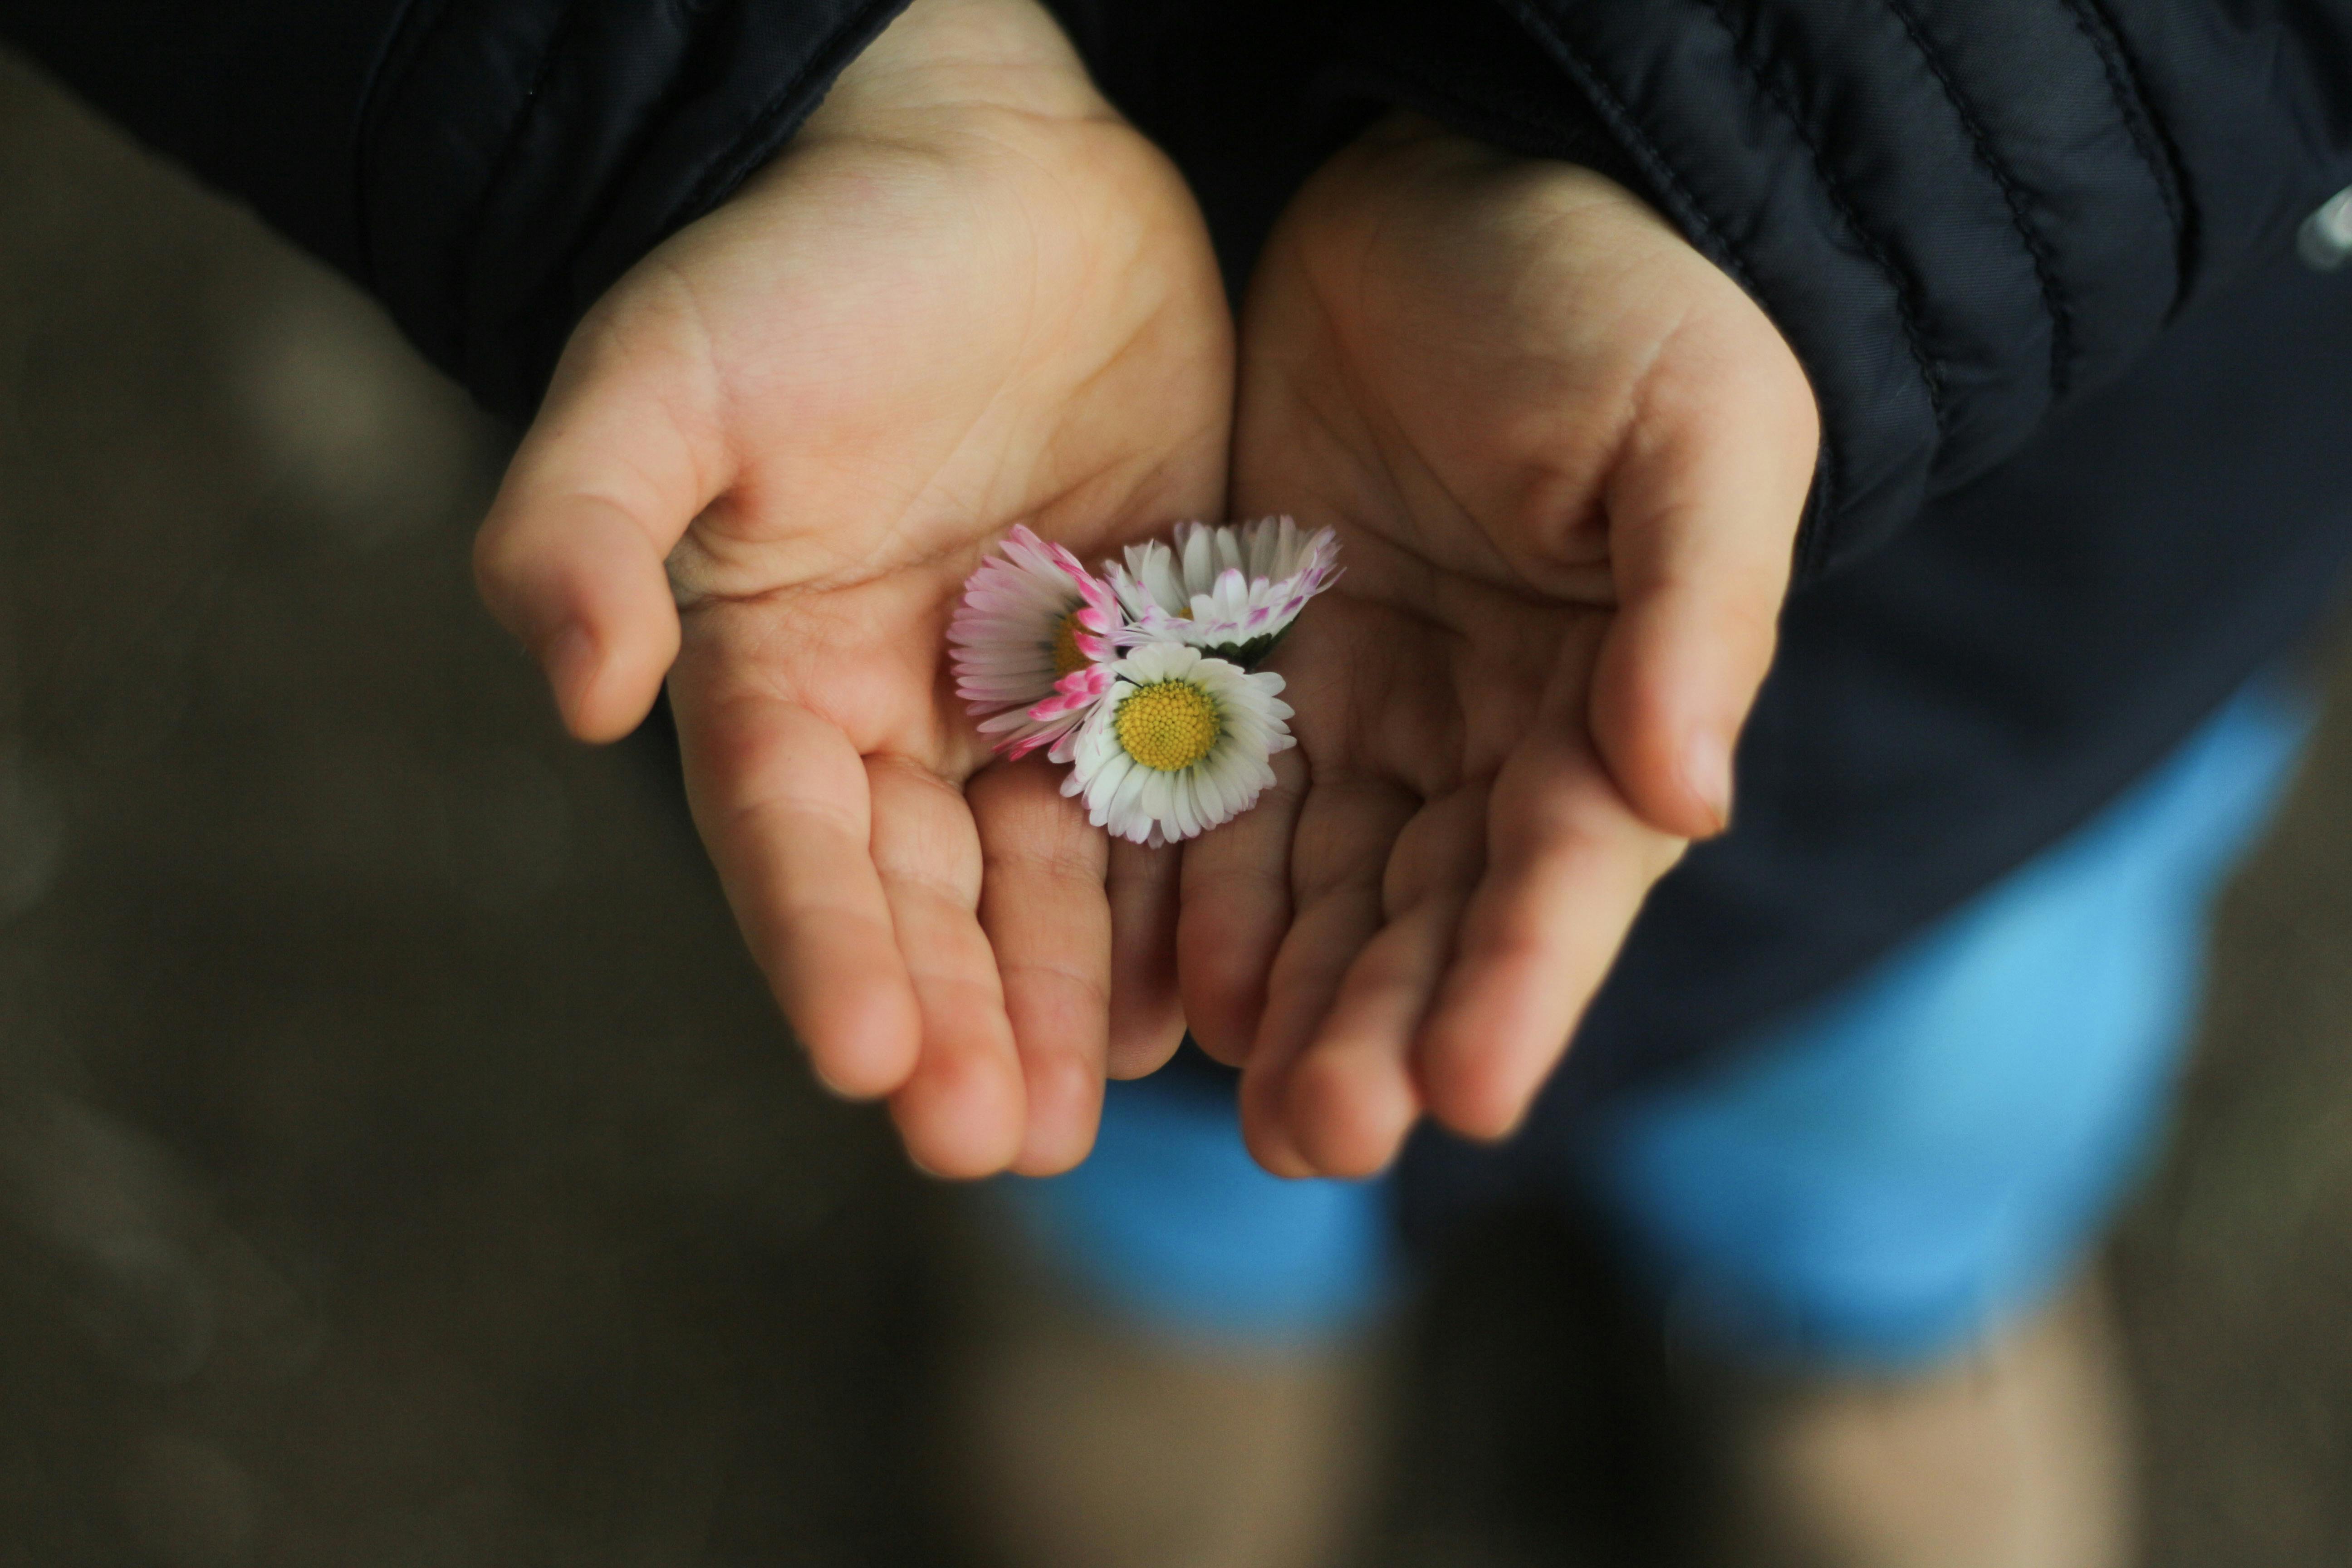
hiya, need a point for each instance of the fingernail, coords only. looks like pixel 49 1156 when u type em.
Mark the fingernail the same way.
pixel 1707 768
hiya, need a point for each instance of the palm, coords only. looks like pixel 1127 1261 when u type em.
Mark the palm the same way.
pixel 1482 372
pixel 904 352
pixel 923 323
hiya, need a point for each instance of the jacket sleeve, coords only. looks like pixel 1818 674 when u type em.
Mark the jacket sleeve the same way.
pixel 486 167
pixel 1962 213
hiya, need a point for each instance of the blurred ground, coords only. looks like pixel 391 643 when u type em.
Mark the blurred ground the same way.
pixel 400 1164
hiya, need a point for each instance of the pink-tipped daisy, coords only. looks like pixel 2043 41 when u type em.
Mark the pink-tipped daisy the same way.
pixel 1057 723
pixel 1231 590
pixel 1178 745
pixel 1031 629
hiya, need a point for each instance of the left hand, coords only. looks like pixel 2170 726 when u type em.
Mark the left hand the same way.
pixel 1567 456
pixel 966 295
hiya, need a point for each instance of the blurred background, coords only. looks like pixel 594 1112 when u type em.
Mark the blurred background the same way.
pixel 402 1164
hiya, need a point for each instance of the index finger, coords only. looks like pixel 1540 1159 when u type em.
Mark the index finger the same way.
pixel 1568 866
pixel 785 807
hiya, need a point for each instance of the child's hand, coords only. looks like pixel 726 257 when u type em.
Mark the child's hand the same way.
pixel 965 296
pixel 1567 456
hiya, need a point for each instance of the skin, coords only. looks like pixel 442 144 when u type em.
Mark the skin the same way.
pixel 966 295
pixel 1566 456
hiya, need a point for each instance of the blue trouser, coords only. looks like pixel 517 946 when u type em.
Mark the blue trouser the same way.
pixel 1882 1177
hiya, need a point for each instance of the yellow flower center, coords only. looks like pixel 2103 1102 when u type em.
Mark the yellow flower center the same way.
pixel 1168 725
pixel 1066 656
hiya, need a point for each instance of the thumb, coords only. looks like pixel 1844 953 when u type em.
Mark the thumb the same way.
pixel 1703 511
pixel 571 559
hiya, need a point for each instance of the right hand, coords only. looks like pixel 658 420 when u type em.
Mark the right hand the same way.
pixel 966 295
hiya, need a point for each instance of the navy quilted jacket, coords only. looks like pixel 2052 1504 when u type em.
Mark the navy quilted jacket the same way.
pixel 2087 460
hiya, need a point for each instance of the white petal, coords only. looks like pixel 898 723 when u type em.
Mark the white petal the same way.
pixel 1212 802
pixel 1121 805
pixel 1167 586
pixel 1157 793
pixel 1229 551
pixel 1184 804
pixel 1200 561
pixel 1103 791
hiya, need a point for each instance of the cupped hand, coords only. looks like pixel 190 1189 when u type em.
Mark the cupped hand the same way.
pixel 1567 456
pixel 966 296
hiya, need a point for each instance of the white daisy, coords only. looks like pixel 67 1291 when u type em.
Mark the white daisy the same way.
pixel 1031 618
pixel 1178 745
pixel 1230 590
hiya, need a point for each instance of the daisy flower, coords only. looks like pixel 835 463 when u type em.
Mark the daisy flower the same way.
pixel 1032 633
pixel 1058 721
pixel 1179 743
pixel 1230 590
